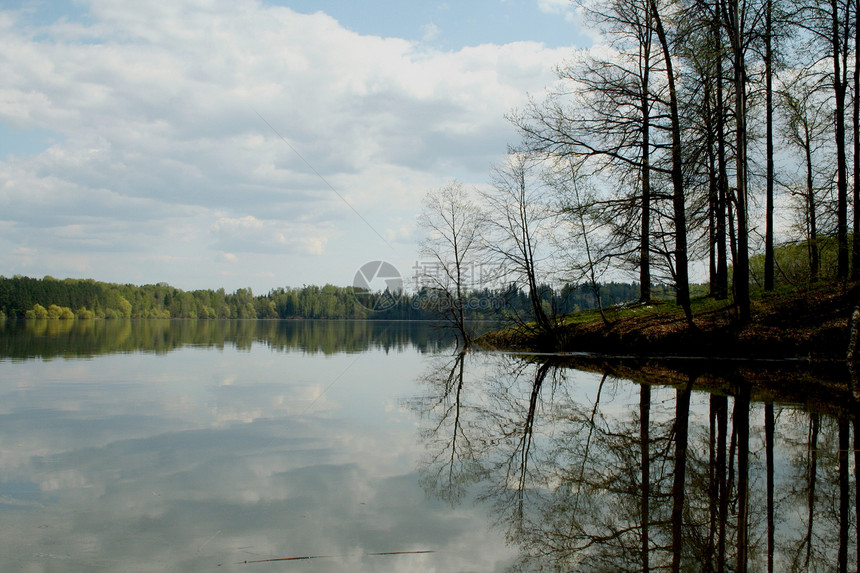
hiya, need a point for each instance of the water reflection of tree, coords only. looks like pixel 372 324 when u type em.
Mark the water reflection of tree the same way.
pixel 87 338
pixel 818 496
pixel 601 512
pixel 452 465
pixel 640 478
pixel 514 424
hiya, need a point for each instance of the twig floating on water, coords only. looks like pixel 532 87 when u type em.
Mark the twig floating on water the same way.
pixel 402 552
pixel 306 557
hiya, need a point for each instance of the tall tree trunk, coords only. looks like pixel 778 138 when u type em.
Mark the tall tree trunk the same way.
pixel 645 238
pixel 855 243
pixel 839 88
pixel 459 304
pixel 712 223
pixel 682 281
pixel 722 173
pixel 645 103
pixel 527 247
pixel 810 206
pixel 713 193
pixel 768 72
pixel 741 264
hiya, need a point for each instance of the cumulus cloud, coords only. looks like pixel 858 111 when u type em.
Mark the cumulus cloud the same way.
pixel 249 234
pixel 155 117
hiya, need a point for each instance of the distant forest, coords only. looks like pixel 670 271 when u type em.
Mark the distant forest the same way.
pixel 50 298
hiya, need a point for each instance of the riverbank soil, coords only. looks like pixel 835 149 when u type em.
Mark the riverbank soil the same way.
pixel 809 322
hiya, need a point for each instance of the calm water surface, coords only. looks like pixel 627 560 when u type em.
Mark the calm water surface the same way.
pixel 361 446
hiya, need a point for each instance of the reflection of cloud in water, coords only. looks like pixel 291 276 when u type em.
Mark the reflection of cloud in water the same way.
pixel 187 473
pixel 266 489
pixel 255 402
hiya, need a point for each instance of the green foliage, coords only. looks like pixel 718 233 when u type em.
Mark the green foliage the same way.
pixel 38 311
pixel 23 297
pixel 53 311
pixel 792 263
pixel 83 313
pixel 123 307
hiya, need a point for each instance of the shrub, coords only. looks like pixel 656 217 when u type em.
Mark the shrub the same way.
pixel 38 311
pixel 84 313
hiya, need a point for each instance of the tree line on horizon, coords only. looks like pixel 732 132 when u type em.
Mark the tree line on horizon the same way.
pixel 50 298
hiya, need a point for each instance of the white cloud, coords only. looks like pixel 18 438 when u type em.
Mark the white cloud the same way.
pixel 249 234
pixel 155 111
pixel 555 6
pixel 431 32
pixel 228 257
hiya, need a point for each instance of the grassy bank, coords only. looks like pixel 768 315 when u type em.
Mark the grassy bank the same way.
pixel 811 322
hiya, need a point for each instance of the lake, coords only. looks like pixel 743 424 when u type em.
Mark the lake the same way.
pixel 159 445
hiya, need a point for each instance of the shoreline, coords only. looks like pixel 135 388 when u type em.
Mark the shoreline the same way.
pixel 802 323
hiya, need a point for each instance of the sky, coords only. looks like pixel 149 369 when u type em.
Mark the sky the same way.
pixel 250 143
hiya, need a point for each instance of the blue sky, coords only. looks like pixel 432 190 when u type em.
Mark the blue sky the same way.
pixel 453 25
pixel 211 143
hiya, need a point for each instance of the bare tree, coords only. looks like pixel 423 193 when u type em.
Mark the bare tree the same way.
pixel 736 23
pixel 805 128
pixel 855 121
pixel 515 224
pixel 830 25
pixel 608 115
pixel 585 253
pixel 451 221
pixel 705 111
pixel 679 217
pixel 769 159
